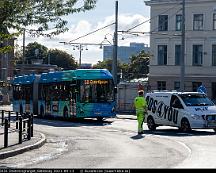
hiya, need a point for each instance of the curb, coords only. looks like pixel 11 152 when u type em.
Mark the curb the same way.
pixel 126 117
pixel 17 151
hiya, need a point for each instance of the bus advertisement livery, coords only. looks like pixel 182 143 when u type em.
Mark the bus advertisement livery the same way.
pixel 81 93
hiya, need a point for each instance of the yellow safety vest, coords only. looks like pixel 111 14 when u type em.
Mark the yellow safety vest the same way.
pixel 140 103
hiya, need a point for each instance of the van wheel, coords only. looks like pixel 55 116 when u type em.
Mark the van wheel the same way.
pixel 151 124
pixel 185 125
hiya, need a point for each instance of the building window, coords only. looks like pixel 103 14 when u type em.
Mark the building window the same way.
pixel 178 22
pixel 195 86
pixel 198 22
pixel 214 21
pixel 177 54
pixel 162 54
pixel 177 86
pixel 163 23
pixel 214 55
pixel 197 55
pixel 161 85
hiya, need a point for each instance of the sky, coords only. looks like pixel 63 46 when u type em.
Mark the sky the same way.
pixel 130 14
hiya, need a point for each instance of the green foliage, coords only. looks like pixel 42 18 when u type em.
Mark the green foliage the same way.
pixel 46 14
pixel 62 59
pixel 31 49
pixel 137 68
pixel 106 64
pixel 57 57
pixel 139 65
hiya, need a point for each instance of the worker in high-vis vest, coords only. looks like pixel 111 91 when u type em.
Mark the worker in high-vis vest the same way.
pixel 141 109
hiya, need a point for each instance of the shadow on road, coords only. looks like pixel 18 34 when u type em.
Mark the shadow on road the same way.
pixel 178 133
pixel 136 137
pixel 72 123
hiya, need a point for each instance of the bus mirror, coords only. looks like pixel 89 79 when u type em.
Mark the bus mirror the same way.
pixel 115 90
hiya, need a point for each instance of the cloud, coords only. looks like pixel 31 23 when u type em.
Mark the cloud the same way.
pixel 83 27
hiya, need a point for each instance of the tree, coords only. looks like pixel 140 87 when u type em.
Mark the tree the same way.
pixel 47 15
pixel 122 68
pixel 62 59
pixel 35 51
pixel 106 64
pixel 18 55
pixel 18 14
pixel 139 65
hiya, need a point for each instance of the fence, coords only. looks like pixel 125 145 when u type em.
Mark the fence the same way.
pixel 14 122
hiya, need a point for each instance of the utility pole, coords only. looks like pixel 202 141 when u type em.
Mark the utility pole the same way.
pixel 115 46
pixel 182 80
pixel 80 55
pixel 23 58
pixel 23 46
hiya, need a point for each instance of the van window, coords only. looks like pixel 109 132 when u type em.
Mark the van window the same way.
pixel 196 100
pixel 175 102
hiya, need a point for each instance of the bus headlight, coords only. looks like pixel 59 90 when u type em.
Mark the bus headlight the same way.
pixel 196 117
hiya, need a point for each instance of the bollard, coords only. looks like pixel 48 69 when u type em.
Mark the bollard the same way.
pixel 29 128
pixel 20 130
pixel 6 134
pixel 24 122
pixel 9 118
pixel 32 125
pixel 17 118
pixel 2 117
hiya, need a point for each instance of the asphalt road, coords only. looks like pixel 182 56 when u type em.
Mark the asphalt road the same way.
pixel 115 144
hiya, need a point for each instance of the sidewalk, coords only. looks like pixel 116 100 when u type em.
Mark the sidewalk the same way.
pixel 14 148
pixel 126 116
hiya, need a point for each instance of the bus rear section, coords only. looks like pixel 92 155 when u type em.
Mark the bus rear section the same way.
pixel 82 93
pixel 23 93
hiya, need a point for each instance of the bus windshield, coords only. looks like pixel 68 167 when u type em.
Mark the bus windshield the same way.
pixel 196 100
pixel 97 91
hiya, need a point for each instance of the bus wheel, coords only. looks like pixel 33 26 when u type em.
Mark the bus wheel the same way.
pixel 185 125
pixel 42 114
pixel 100 118
pixel 151 124
pixel 21 110
pixel 65 113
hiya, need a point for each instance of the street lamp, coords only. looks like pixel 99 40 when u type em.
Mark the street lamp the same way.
pixel 80 47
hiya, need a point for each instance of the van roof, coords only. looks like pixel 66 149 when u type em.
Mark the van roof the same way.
pixel 174 92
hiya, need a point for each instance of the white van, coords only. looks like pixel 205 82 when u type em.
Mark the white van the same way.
pixel 185 110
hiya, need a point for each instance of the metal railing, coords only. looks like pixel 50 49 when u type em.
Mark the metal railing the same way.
pixel 13 122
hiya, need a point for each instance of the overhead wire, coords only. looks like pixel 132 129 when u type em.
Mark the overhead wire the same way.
pixel 167 10
pixel 92 32
pixel 173 7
